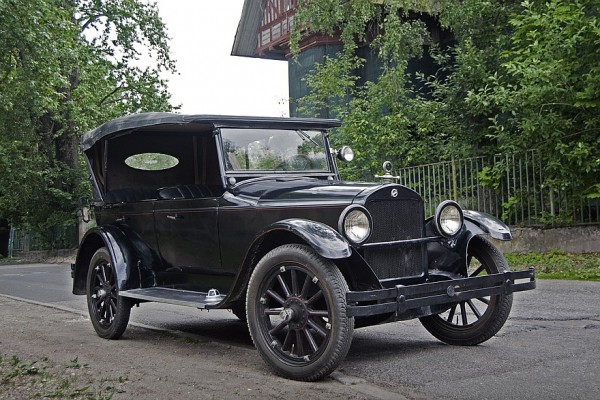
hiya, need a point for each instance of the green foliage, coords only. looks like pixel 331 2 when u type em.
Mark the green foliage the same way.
pixel 490 177
pixel 509 207
pixel 514 76
pixel 558 265
pixel 594 192
pixel 66 67
pixel 546 93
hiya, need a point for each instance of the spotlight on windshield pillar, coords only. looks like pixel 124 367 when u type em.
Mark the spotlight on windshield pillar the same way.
pixel 345 154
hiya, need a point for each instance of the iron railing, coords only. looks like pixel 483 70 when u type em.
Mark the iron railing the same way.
pixel 509 187
pixel 57 237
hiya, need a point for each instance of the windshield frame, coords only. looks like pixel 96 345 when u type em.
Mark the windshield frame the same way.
pixel 329 171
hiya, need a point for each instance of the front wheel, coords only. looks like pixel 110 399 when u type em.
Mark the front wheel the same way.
pixel 296 303
pixel 474 321
pixel 108 311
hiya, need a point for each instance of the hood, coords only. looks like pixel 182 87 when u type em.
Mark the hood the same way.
pixel 292 189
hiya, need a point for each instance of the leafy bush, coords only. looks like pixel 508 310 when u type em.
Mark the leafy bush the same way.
pixel 517 76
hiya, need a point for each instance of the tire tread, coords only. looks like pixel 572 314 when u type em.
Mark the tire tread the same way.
pixel 332 274
pixel 121 320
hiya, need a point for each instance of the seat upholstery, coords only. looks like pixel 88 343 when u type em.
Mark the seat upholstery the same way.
pixel 129 195
pixel 186 192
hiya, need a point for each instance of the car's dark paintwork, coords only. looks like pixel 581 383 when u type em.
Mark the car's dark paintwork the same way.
pixel 159 238
pixel 249 213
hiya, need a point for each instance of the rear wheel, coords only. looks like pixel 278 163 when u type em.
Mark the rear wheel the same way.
pixel 108 311
pixel 296 305
pixel 474 321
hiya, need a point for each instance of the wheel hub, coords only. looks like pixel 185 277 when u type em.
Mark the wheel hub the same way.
pixel 295 313
pixel 287 314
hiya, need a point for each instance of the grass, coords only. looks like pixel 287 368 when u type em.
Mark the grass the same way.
pixel 558 265
pixel 33 379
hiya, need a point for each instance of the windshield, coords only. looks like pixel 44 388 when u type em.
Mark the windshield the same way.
pixel 274 150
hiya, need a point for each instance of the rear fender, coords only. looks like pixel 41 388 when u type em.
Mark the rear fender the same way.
pixel 122 254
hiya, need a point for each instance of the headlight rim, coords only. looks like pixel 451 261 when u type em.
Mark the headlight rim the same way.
pixel 342 219
pixel 437 218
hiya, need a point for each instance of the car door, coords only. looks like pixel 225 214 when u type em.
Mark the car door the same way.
pixel 188 240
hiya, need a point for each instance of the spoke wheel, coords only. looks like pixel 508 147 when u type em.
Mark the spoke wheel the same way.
pixel 474 321
pixel 297 313
pixel 108 311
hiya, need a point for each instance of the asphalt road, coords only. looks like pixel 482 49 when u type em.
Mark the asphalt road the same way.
pixel 548 349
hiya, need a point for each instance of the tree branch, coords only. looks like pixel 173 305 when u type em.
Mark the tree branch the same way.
pixel 115 90
pixel 91 20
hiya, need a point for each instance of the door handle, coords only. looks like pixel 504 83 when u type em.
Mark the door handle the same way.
pixel 175 217
pixel 121 219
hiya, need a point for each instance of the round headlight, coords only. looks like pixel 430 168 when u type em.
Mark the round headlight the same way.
pixel 448 218
pixel 355 223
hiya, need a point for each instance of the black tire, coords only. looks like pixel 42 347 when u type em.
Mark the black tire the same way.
pixel 474 321
pixel 108 311
pixel 296 304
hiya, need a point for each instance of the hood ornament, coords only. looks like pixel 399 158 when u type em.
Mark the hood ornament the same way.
pixel 387 177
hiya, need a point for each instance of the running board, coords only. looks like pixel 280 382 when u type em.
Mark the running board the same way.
pixel 175 296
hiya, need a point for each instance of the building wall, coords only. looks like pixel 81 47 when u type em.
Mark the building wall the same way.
pixel 300 67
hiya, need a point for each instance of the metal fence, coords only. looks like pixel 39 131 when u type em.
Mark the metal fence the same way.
pixel 506 186
pixel 58 237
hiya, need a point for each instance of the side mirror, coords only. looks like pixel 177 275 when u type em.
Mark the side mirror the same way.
pixel 345 154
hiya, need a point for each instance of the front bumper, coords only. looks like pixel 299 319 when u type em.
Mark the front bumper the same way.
pixel 400 299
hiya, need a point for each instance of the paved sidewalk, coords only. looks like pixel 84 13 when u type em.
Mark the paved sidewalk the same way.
pixel 153 364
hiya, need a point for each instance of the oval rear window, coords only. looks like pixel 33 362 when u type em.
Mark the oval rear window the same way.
pixel 151 161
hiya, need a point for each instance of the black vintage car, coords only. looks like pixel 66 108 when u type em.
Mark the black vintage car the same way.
pixel 249 214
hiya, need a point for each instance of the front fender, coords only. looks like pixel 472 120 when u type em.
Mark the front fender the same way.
pixel 451 257
pixel 479 223
pixel 325 240
pixel 121 253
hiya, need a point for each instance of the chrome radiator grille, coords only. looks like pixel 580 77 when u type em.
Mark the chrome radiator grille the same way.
pixel 397 219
